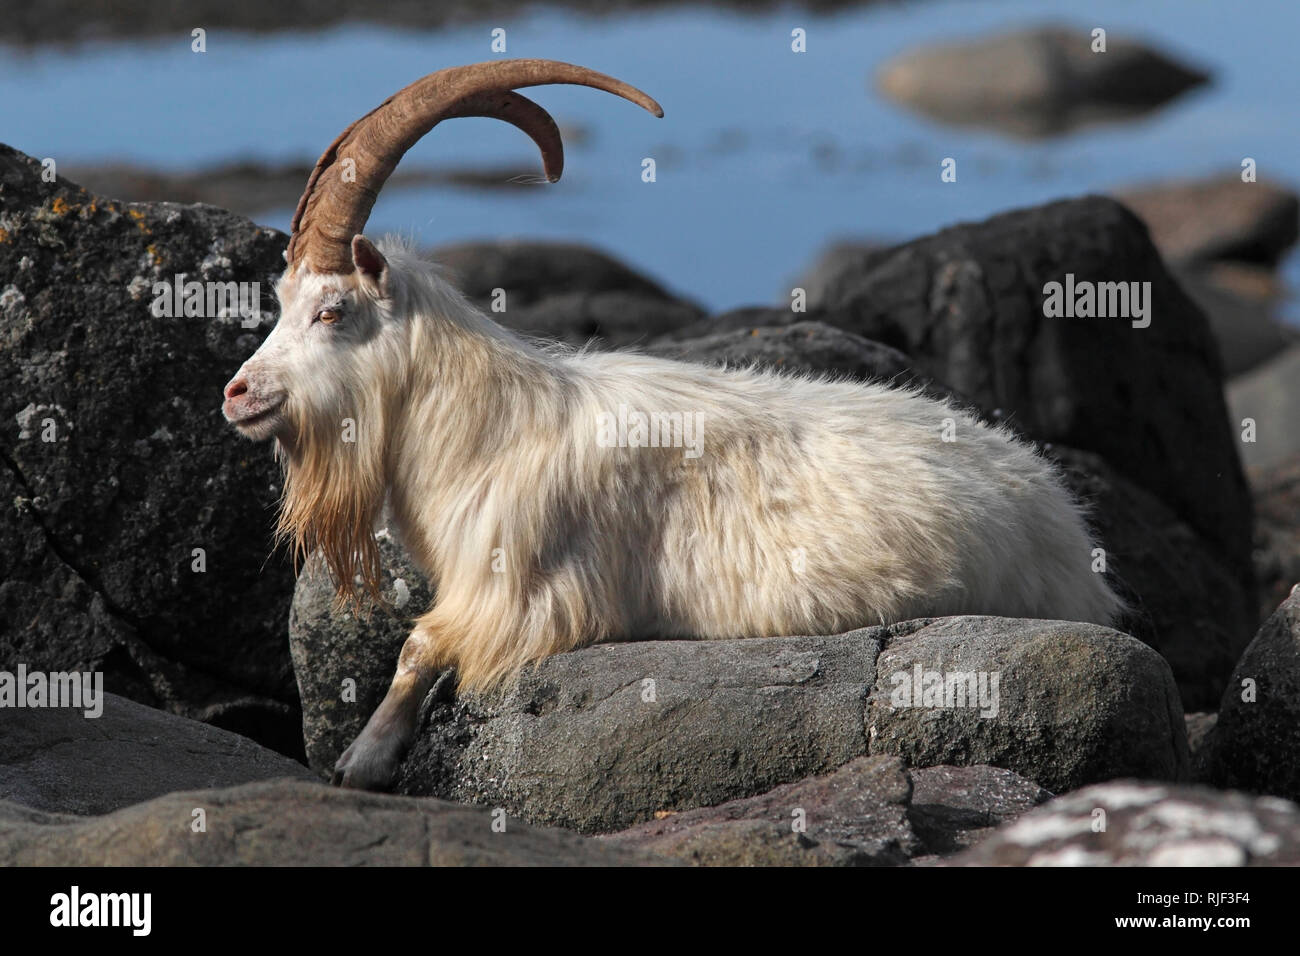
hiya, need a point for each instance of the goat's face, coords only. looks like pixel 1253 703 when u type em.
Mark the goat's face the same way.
pixel 321 354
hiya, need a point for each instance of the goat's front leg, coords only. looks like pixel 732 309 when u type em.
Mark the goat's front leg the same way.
pixel 371 762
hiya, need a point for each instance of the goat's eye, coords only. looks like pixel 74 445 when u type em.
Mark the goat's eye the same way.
pixel 327 316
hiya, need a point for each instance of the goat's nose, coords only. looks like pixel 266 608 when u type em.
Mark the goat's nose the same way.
pixel 236 388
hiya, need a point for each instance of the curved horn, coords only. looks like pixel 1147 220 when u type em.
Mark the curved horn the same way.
pixel 332 210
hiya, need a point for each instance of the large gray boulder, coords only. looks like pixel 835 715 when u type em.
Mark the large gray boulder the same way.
pixel 606 737
pixel 118 465
pixel 1132 823
pixel 1036 82
pixel 1070 704
pixel 1255 744
pixel 58 760
pixel 294 823
pixel 870 812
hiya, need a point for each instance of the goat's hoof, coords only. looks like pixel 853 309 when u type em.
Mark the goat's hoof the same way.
pixel 369 764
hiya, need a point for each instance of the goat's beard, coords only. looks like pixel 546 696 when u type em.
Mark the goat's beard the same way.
pixel 333 491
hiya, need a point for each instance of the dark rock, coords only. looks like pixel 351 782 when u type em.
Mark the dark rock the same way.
pixel 58 760
pixel 615 319
pixel 1075 703
pixel 839 258
pixel 294 823
pixel 100 524
pixel 1277 531
pixel 1217 218
pixel 564 291
pixel 967 306
pixel 1128 823
pixel 335 645
pixel 1255 745
pixel 1268 395
pixel 578 742
pixel 1199 726
pixel 804 347
pixel 532 271
pixel 1036 82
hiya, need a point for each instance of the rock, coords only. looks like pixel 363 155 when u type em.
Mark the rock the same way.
pixel 605 737
pixel 1269 396
pixel 293 823
pixel 1147 825
pixel 856 816
pixel 1183 601
pixel 601 738
pixel 1255 745
pixel 57 760
pixel 1199 726
pixel 1072 704
pixel 838 258
pixel 102 523
pixel 967 305
pixel 954 808
pixel 1217 218
pixel 615 319
pixel 804 347
pixel 1036 82
pixel 1277 531
pixel 1244 327
pixel 333 645
pixel 870 812
pixel 564 291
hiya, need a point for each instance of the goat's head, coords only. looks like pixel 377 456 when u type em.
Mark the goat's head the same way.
pixel 336 294
pixel 336 353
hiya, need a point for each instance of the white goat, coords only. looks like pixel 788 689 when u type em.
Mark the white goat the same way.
pixel 799 506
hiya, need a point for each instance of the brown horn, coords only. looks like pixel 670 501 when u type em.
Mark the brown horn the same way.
pixel 332 210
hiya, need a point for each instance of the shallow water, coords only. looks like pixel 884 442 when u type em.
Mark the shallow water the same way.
pixel 763 157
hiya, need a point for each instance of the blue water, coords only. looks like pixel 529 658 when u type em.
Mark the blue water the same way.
pixel 763 157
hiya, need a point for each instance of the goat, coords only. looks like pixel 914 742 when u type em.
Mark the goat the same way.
pixel 529 482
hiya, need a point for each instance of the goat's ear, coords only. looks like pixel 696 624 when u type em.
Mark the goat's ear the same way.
pixel 371 265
